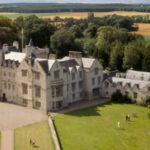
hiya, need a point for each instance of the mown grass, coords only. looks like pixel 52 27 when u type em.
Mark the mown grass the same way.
pixel 38 132
pixel 95 128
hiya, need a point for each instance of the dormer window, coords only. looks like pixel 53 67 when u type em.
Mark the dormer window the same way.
pixel 37 75
pixel 137 85
pixel 56 75
pixel 73 76
pixel 24 73
pixel 96 71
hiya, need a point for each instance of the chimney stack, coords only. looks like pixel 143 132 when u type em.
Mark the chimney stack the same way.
pixel 77 56
pixel 53 56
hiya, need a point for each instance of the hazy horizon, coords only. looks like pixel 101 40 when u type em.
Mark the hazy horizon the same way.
pixel 78 1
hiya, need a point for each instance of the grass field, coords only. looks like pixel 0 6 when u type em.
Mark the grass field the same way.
pixel 75 15
pixel 95 128
pixel 39 132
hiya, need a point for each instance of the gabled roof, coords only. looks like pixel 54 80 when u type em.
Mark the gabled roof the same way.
pixel 87 62
pixel 132 82
pixel 68 63
pixel 46 64
pixel 15 56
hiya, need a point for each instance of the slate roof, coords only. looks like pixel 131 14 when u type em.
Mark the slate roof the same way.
pixel 15 56
pixel 109 74
pixel 138 75
pixel 46 64
pixel 87 62
pixel 132 82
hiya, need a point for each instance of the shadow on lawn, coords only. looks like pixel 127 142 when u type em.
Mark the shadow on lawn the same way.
pixel 90 111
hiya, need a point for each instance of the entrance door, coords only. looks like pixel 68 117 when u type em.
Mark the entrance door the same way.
pixel 4 97
pixel 59 104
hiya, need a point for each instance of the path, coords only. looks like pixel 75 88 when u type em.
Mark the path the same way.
pixel 13 116
pixel 80 105
pixel 7 140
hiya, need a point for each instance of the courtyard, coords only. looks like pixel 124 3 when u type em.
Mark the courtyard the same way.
pixel 12 117
pixel 95 128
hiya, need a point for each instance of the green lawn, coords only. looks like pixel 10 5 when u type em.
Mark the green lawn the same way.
pixel 147 38
pixel 95 128
pixel 15 15
pixel 40 132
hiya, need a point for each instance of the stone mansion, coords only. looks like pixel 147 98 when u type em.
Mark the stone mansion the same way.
pixel 48 83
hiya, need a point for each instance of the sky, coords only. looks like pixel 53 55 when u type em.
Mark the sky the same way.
pixel 76 1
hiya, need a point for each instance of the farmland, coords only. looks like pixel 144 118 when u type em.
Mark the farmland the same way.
pixel 76 15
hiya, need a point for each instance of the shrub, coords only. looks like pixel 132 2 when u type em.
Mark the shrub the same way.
pixel 148 106
pixel 119 98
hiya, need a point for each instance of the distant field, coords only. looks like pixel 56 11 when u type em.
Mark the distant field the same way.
pixel 144 29
pixel 75 15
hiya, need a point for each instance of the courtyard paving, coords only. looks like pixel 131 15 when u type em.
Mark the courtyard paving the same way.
pixel 13 116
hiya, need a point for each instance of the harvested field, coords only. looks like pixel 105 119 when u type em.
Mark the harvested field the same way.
pixel 144 29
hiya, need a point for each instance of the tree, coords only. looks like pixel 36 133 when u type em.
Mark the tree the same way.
pixel 76 31
pixel 8 30
pixel 91 31
pixel 39 30
pixel 132 56
pixel 105 38
pixel 62 41
pixel 146 58
pixel 116 56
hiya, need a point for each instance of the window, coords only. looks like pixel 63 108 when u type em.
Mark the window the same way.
pixel 148 88
pixel 96 92
pixel 73 96
pixel 126 93
pixel 59 91
pixel 135 95
pixel 93 81
pixel 9 74
pixel 81 95
pixel 96 71
pixel 73 86
pixel 80 84
pixel 24 88
pixel 53 92
pixel 24 73
pixel 106 84
pixel 37 91
pixel 5 85
pixel 56 75
pixel 80 74
pixel 73 76
pixel 67 87
pixel 37 75
pixel 13 87
pixel 4 73
pixel 24 101
pixel 9 86
pixel 37 104
pixel 14 75
pixel 99 80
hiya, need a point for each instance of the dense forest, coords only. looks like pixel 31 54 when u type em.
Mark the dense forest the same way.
pixel 53 7
pixel 109 39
